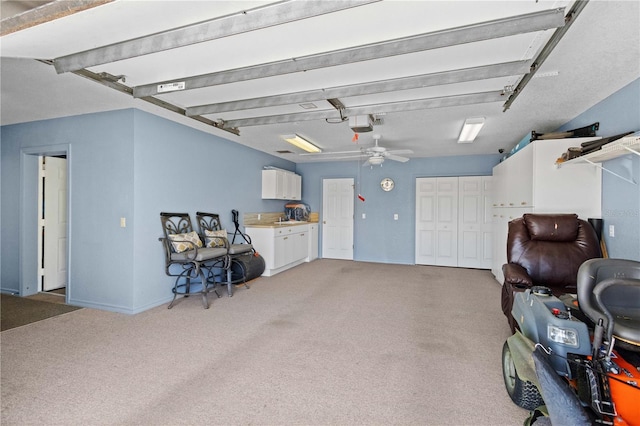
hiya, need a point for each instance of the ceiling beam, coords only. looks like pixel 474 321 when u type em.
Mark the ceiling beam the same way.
pixel 46 13
pixel 113 81
pixel 571 17
pixel 237 23
pixel 414 82
pixel 391 107
pixel 505 27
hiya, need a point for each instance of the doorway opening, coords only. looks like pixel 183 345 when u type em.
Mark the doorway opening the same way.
pixel 52 226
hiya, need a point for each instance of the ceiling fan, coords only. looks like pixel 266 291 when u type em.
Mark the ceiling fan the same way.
pixel 375 154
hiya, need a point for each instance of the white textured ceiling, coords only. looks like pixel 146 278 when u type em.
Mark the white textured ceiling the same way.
pixel 598 55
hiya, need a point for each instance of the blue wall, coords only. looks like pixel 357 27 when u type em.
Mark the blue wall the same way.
pixel 380 238
pixel 128 164
pixel 133 164
pixel 619 113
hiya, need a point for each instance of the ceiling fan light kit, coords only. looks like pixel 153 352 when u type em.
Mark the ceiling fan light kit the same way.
pixel 470 129
pixel 375 161
pixel 301 143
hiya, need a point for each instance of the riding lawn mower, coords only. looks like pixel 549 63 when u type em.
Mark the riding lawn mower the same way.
pixel 575 358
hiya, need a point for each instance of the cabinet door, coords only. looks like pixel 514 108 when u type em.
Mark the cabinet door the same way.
pixel 300 245
pixel 281 185
pixel 487 222
pixel 519 178
pixel 499 185
pixel 292 190
pixel 262 240
pixel 269 184
pixel 282 251
pixel 296 193
pixel 471 222
pixel 313 242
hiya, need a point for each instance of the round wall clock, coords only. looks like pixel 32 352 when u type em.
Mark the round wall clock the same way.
pixel 387 184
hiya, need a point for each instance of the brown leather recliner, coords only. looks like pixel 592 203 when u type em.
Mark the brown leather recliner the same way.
pixel 546 250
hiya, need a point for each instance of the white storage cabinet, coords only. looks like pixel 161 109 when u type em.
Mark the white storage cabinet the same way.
pixel 281 185
pixel 281 246
pixel 530 182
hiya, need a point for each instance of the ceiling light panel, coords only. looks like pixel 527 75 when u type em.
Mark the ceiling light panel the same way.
pixel 301 143
pixel 470 129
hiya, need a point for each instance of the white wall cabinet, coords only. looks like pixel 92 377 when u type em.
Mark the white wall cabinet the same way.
pixel 281 185
pixel 282 247
pixel 453 222
pixel 530 182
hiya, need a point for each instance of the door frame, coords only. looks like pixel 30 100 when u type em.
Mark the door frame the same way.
pixel 28 216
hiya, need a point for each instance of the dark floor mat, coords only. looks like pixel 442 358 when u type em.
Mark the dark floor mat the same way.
pixel 17 311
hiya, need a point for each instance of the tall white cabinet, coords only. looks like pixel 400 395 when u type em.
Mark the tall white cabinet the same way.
pixel 453 221
pixel 530 182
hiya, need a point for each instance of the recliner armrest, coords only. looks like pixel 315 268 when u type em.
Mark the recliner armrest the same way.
pixel 516 275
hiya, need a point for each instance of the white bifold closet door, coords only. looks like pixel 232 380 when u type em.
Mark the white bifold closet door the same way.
pixel 452 224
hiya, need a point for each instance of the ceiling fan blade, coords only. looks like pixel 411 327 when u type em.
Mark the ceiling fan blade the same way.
pixel 400 151
pixel 396 158
pixel 340 157
pixel 331 153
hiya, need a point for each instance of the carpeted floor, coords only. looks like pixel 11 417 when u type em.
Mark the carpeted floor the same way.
pixel 326 343
pixel 18 311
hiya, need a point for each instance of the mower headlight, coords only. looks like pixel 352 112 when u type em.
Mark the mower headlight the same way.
pixel 566 336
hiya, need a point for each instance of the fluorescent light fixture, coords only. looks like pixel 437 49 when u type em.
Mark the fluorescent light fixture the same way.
pixel 470 129
pixel 301 143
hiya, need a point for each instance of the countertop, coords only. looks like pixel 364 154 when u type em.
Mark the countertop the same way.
pixel 279 224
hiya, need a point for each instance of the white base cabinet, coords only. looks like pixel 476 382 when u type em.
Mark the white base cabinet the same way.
pixel 530 182
pixel 313 242
pixel 282 247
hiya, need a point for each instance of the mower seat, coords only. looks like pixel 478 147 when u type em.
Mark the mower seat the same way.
pixel 614 284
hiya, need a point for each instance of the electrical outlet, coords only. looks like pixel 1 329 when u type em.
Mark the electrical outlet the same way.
pixel 364 215
pixel 612 231
pixel 123 222
pixel 395 216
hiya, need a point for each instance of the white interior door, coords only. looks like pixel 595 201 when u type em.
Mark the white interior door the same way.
pixel 474 222
pixel 55 224
pixel 437 221
pixel 337 218
pixel 447 222
pixel 426 221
